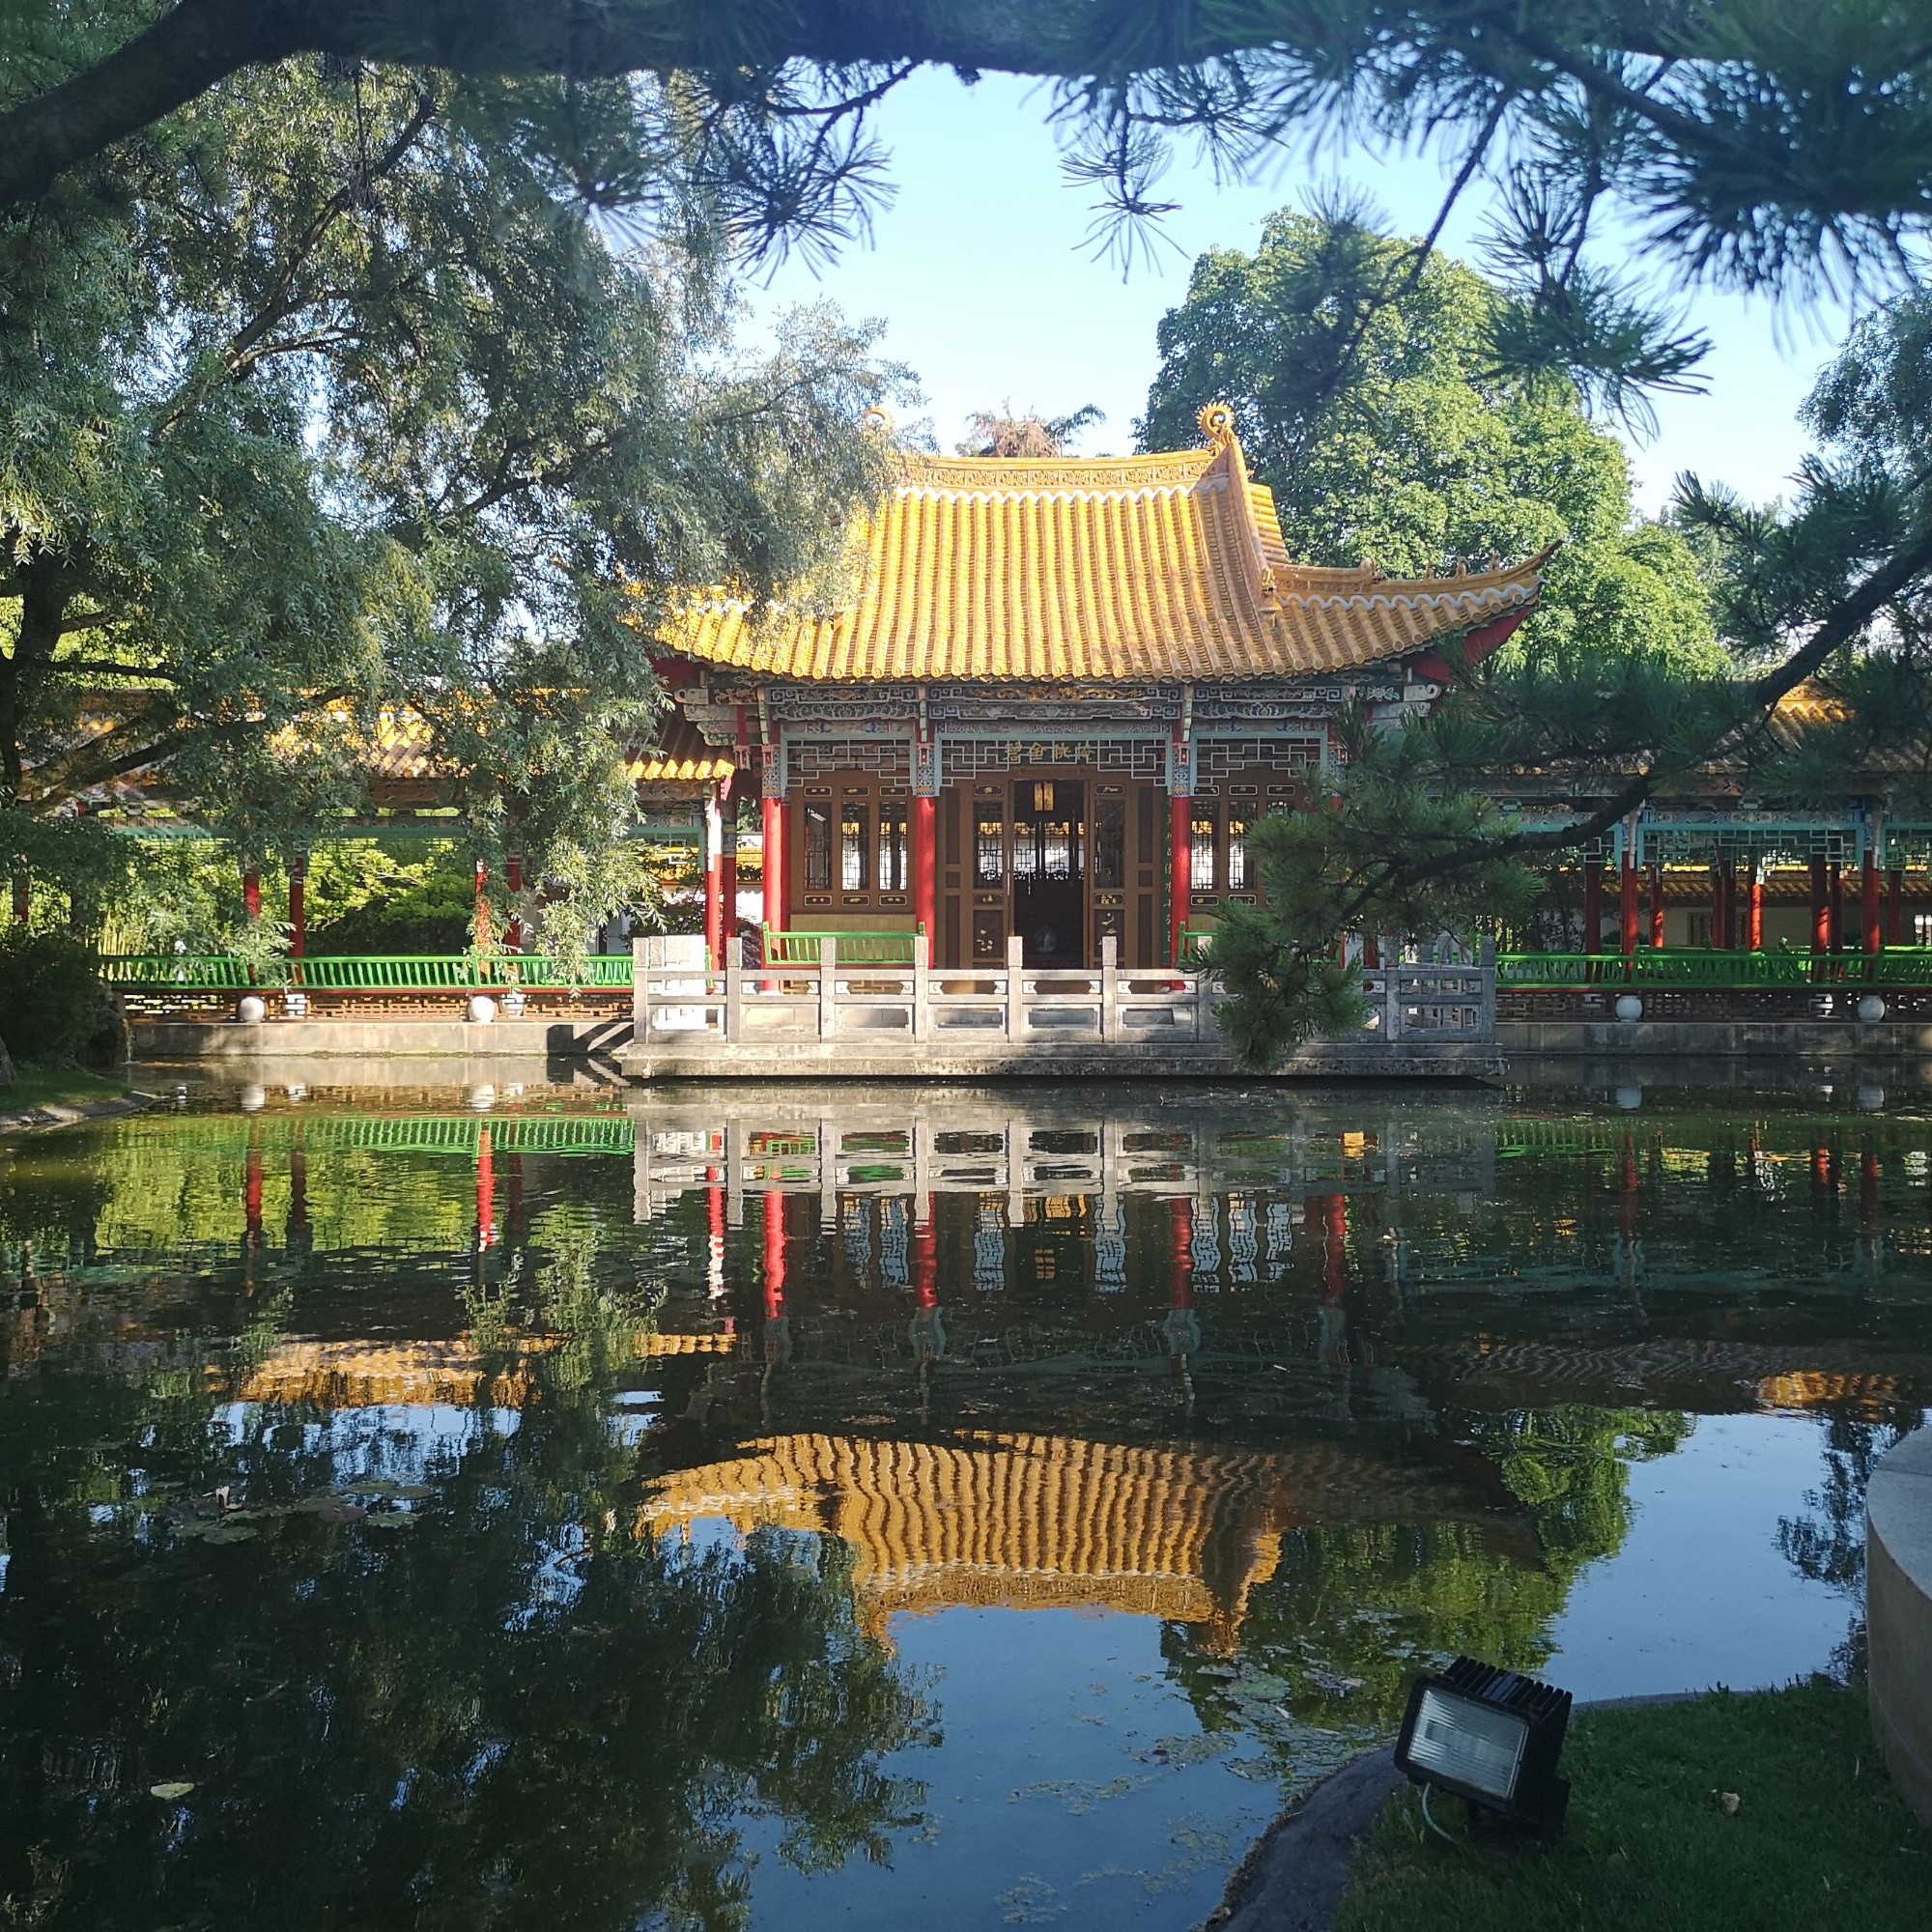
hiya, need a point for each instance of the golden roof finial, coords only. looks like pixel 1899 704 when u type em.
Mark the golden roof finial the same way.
pixel 878 420
pixel 1217 424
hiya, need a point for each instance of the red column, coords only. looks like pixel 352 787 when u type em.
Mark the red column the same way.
pixel 1180 837
pixel 1657 905
pixel 714 879
pixel 775 880
pixel 1869 904
pixel 251 891
pixel 1821 909
pixel 1717 902
pixel 482 906
pixel 1754 908
pixel 298 905
pixel 1593 906
pixel 727 867
pixel 486 1190
pixel 1895 906
pixel 1372 950
pixel 1627 903
pixel 1837 874
pixel 513 933
pixel 925 867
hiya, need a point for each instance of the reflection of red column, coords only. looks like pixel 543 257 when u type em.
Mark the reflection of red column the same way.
pixel 1868 907
pixel 1180 838
pixel 926 1258
pixel 1821 909
pixel 486 1190
pixel 1895 906
pixel 297 1189
pixel 513 933
pixel 251 1196
pixel 1754 908
pixel 1593 905
pixel 775 1254
pixel 1657 905
pixel 714 1232
pixel 1627 1188
pixel 1181 1270
pixel 1627 903
pixel 1868 1202
pixel 1335 1248
pixel 925 866
pixel 297 905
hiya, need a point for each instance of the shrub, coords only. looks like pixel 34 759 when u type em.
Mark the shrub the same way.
pixel 53 1007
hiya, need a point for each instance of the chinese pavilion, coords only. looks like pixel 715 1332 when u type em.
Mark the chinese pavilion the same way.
pixel 1056 697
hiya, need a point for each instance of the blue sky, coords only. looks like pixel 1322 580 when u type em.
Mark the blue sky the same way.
pixel 982 275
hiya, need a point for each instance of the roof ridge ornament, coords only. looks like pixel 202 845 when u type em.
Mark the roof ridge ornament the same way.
pixel 878 420
pixel 1217 424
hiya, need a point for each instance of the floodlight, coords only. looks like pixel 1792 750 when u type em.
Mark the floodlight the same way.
pixel 1491 1736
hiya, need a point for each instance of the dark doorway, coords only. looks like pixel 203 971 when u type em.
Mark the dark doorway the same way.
pixel 1050 870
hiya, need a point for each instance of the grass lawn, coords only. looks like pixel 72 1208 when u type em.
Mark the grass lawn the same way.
pixel 55 1086
pixel 1819 1841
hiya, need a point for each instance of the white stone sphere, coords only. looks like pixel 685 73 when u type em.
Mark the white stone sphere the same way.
pixel 482 1008
pixel 1630 1008
pixel 1871 1007
pixel 1630 1099
pixel 252 1010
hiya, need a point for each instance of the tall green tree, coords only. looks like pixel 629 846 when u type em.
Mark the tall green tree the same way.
pixel 357 403
pixel 1371 386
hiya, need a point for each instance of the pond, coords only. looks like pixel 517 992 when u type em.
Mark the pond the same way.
pixel 805 1507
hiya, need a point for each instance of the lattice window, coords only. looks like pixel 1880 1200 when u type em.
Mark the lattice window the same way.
pixel 809 758
pixel 1222 758
pixel 968 758
pixel 1769 844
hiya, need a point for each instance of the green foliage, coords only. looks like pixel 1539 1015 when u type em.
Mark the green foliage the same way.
pixel 340 396
pixel 364 896
pixel 52 1005
pixel 1370 388
pixel 1819 1833
pixel 1358 863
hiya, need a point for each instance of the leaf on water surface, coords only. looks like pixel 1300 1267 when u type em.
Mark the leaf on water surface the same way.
pixel 388 1520
pixel 229 1532
pixel 173 1788
pixel 1730 1803
pixel 1256 1770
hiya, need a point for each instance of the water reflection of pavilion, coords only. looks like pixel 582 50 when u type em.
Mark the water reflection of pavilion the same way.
pixel 1183 1532
pixel 877 1141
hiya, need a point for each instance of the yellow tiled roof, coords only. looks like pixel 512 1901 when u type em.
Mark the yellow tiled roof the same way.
pixel 1138 567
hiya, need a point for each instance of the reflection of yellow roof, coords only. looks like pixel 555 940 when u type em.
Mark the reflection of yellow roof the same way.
pixel 1164 566
pixel 356 1375
pixel 1045 1520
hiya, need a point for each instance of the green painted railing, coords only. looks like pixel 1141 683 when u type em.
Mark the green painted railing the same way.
pixel 1718 972
pixel 855 948
pixel 372 973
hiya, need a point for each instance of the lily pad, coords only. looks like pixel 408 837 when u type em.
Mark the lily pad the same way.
pixel 173 1788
